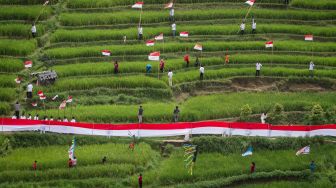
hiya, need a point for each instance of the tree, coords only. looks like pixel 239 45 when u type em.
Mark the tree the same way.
pixel 277 115
pixel 317 115
pixel 245 112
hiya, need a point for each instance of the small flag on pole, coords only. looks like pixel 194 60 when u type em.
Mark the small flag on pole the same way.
pixel 154 56
pixel 169 5
pixel 269 44
pixel 184 34
pixel 106 52
pixel 69 100
pixel 159 37
pixel 34 104
pixel 305 150
pixel 40 93
pixel 150 43
pixel 55 97
pixel 43 97
pixel 198 47
pixel 45 3
pixel 62 105
pixel 309 37
pixel 250 2
pixel 248 152
pixel 28 64
pixel 138 5
pixel 17 80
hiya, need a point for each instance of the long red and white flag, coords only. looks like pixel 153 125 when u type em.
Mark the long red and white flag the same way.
pixel 269 44
pixel 184 34
pixel 309 37
pixel 138 4
pixel 34 104
pixel 43 97
pixel 40 93
pixel 198 47
pixel 28 64
pixel 250 2
pixel 159 37
pixel 69 100
pixel 150 43
pixel 17 80
pixel 62 105
pixel 154 56
pixel 106 52
pixel 169 5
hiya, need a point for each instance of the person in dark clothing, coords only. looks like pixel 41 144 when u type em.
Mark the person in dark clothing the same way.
pixel 35 165
pixel 252 168
pixel 140 181
pixel 176 114
pixel 17 110
pixel 197 62
pixel 104 160
pixel 312 166
pixel 116 67
pixel 70 163
pixel 162 64
pixel 140 113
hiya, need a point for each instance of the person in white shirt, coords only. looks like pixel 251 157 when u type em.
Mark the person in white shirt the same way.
pixel 311 69
pixel 171 15
pixel 263 117
pixel 74 161
pixel 14 116
pixel 170 78
pixel 51 118
pixel 174 29
pixel 254 26
pixel 65 119
pixel 242 28
pixel 140 32
pixel 23 116
pixel 33 30
pixel 29 91
pixel 29 117
pixel 201 72
pixel 36 117
pixel 73 120
pixel 258 68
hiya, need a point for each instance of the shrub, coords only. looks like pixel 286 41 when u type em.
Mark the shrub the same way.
pixel 5 148
pixel 277 115
pixel 317 115
pixel 331 114
pixel 245 112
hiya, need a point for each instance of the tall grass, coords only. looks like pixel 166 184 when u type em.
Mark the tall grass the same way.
pixel 7 80
pixel 25 2
pixel 24 12
pixel 19 30
pixel 320 4
pixel 11 65
pixel 290 184
pixel 17 47
pixel 7 94
pixel 131 33
pixel 129 16
pixel 210 46
pixel 200 107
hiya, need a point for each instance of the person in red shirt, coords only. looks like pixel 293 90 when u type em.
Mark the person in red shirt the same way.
pixel 70 163
pixel 140 181
pixel 116 67
pixel 252 168
pixel 227 58
pixel 35 165
pixel 186 59
pixel 162 64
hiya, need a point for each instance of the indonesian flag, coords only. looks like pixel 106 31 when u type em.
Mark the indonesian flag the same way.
pixel 150 43
pixel 106 52
pixel 69 100
pixel 250 2
pixel 40 93
pixel 305 150
pixel 45 3
pixel 154 56
pixel 169 5
pixel 55 97
pixel 28 64
pixel 17 80
pixel 198 47
pixel 34 104
pixel 309 37
pixel 138 5
pixel 184 34
pixel 159 37
pixel 71 150
pixel 62 105
pixel 43 97
pixel 269 44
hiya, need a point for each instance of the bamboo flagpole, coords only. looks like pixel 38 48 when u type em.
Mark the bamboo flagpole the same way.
pixel 44 5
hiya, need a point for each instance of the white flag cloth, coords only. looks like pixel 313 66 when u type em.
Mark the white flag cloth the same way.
pixel 106 52
pixel 305 150
pixel 250 2
pixel 169 5
pixel 28 64
pixel 154 56
pixel 69 100
pixel 309 37
pixel 198 47
pixel 138 5
pixel 62 105
pixel 184 34
pixel 159 37
pixel 269 44
pixel 150 43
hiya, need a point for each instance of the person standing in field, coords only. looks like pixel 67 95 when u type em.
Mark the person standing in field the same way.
pixel 252 168
pixel 34 30
pixel 258 68
pixel 17 109
pixel 170 78
pixel 104 159
pixel 201 72
pixel 140 181
pixel 162 64
pixel 74 161
pixel 174 29
pixel 35 165
pixel 29 91
pixel 140 114
pixel 254 26
pixel 176 114
pixel 116 67
pixel 186 59
pixel 242 28
pixel 227 58
pixel 148 68
pixel 140 32
pixel 70 163
pixel 311 69
pixel 263 117
pixel 312 166
pixel 171 15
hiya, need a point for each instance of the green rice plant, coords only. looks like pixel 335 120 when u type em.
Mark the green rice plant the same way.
pixel 131 33
pixel 5 108
pixel 11 65
pixel 210 46
pixel 321 4
pixel 19 30
pixel 149 17
pixel 7 81
pixel 290 184
pixel 25 2
pixel 7 94
pixel 109 3
pixel 17 47
pixel 24 12
pixel 199 108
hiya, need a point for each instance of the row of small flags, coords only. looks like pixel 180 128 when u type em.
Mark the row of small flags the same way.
pixel 304 150
pixel 269 44
pixel 43 97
